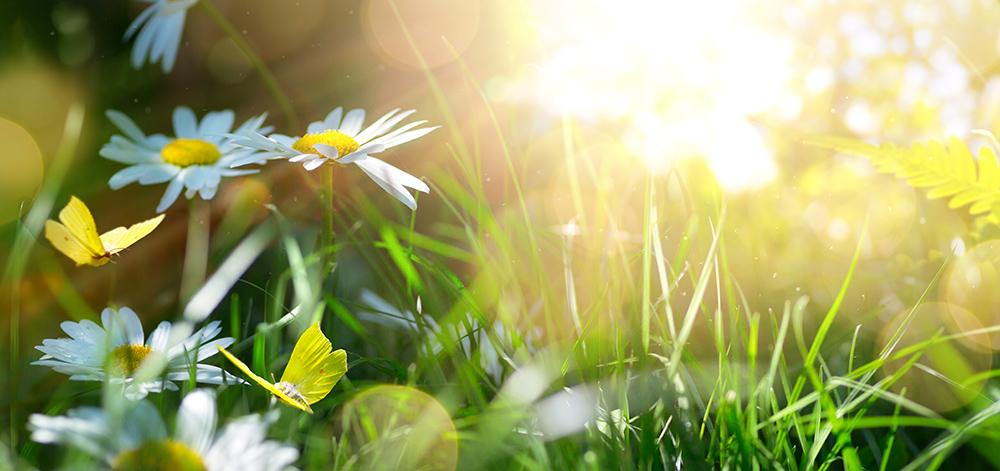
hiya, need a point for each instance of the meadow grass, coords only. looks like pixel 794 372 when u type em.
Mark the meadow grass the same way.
pixel 618 339
pixel 483 311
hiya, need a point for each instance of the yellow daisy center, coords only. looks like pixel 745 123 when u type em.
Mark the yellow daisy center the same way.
pixel 164 455
pixel 125 359
pixel 345 144
pixel 186 152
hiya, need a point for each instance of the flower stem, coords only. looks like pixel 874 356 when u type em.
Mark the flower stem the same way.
pixel 328 233
pixel 265 74
pixel 196 253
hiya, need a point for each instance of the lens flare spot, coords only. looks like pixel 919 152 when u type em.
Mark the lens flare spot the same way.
pixel 945 376
pixel 398 427
pixel 439 29
pixel 21 170
pixel 972 282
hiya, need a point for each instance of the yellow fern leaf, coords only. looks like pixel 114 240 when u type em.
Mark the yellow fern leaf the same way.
pixel 945 170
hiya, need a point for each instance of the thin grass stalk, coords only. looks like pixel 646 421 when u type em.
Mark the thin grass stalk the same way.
pixel 259 65
pixel 196 251
pixel 23 244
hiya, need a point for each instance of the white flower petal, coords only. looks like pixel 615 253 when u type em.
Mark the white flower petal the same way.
pixel 85 428
pixel 143 42
pixel 142 18
pixel 404 137
pixel 352 122
pixel 185 122
pixel 133 326
pixel 332 120
pixel 313 164
pixel 158 338
pixel 327 151
pixel 316 126
pixel 145 174
pixel 171 40
pixel 125 124
pixel 142 423
pixel 389 178
pixel 383 125
pixel 196 421
pixel 173 191
pixel 217 123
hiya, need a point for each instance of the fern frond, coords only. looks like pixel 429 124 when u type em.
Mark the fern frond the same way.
pixel 945 171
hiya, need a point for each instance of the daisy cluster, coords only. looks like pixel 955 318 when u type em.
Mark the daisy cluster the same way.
pixel 193 159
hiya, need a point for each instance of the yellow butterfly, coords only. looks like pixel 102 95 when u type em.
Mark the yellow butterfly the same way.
pixel 76 236
pixel 311 373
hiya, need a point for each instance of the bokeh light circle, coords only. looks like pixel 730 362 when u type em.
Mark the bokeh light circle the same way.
pixel 955 361
pixel 428 22
pixel 21 169
pixel 399 427
pixel 972 282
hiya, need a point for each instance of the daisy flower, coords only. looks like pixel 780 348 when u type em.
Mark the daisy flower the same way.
pixel 160 27
pixel 195 160
pixel 140 441
pixel 340 139
pixel 118 349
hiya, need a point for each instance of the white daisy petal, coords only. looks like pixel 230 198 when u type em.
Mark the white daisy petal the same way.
pixel 133 327
pixel 122 150
pixel 352 122
pixel 85 428
pixel 173 191
pixel 196 421
pixel 332 120
pixel 158 174
pixel 393 174
pixel 303 157
pixel 242 444
pixel 405 137
pixel 185 123
pixel 383 125
pixel 327 151
pixel 361 153
pixel 398 131
pixel 125 124
pixel 386 177
pixel 140 50
pixel 171 40
pixel 313 164
pixel 143 423
pixel 316 126
pixel 136 173
pixel 207 192
pixel 158 337
pixel 217 123
pixel 142 18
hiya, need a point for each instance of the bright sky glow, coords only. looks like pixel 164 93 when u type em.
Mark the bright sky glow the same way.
pixel 684 78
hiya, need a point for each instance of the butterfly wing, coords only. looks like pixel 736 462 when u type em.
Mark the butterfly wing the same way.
pixel 120 238
pixel 264 383
pixel 314 368
pixel 66 243
pixel 80 224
